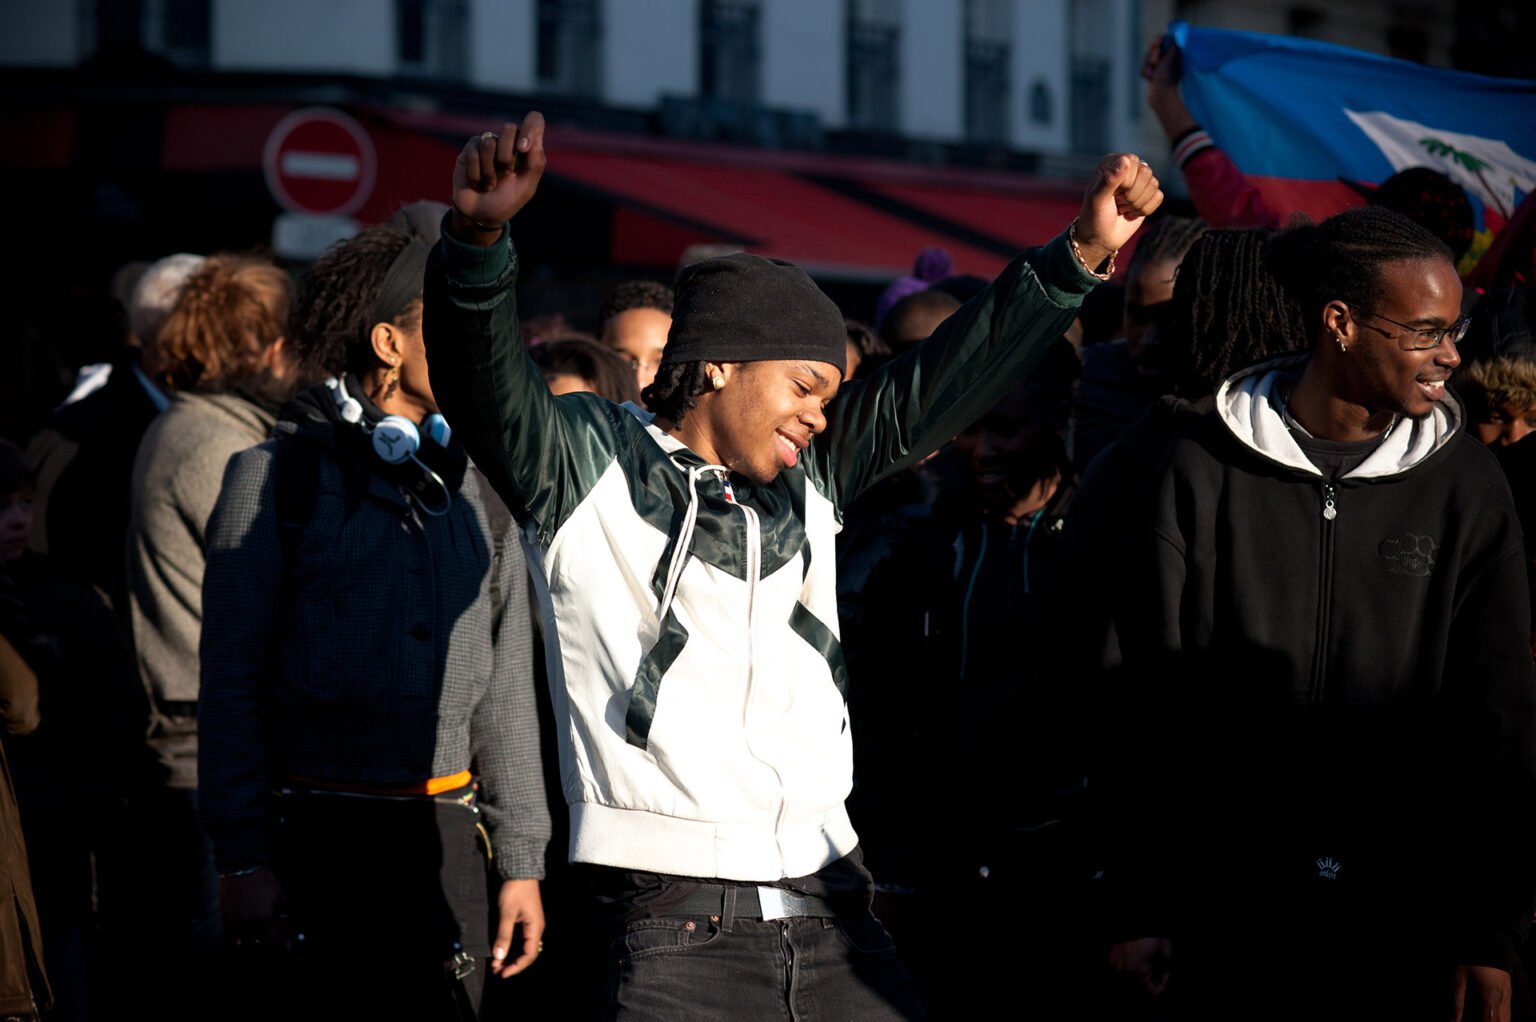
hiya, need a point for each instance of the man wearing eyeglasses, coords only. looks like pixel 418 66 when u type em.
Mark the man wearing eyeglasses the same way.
pixel 1330 603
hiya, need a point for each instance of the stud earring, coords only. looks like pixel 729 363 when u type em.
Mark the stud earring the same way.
pixel 718 381
pixel 1339 340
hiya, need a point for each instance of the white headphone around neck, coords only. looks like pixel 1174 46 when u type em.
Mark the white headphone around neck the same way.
pixel 395 438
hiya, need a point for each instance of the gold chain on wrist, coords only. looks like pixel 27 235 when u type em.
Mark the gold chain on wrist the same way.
pixel 1072 237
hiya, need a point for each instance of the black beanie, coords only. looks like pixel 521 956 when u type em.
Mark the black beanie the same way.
pixel 745 308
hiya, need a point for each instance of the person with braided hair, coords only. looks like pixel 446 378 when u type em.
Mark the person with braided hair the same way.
pixel 1227 311
pixel 367 675
pixel 1121 378
pixel 1327 666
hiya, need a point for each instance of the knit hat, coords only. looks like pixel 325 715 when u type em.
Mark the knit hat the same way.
pixel 745 308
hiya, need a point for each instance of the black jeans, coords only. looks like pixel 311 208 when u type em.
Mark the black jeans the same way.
pixel 803 968
pixel 387 897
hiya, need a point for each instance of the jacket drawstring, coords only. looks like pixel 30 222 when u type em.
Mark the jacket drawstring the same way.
pixel 684 538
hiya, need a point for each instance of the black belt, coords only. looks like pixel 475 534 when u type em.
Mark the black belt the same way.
pixel 752 903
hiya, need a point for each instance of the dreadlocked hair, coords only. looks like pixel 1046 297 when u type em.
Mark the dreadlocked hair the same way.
pixel 226 317
pixel 1341 258
pixel 675 389
pixel 637 294
pixel 328 330
pixel 1487 384
pixel 1228 310
pixel 1166 240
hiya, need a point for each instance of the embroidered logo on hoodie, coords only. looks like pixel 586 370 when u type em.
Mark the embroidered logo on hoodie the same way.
pixel 1328 867
pixel 1409 554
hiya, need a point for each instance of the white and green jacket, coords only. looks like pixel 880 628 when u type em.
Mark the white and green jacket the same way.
pixel 699 687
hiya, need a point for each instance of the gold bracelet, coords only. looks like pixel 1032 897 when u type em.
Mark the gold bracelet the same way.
pixel 1072 237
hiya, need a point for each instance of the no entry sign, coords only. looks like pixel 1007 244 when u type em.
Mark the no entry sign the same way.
pixel 320 161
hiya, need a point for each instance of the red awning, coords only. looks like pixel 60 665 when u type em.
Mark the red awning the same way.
pixel 1023 216
pixel 769 212
pixel 838 216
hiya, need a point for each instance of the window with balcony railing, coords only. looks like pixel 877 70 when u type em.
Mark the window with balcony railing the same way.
pixel 569 38
pixel 873 64
pixel 988 43
pixel 1090 103
pixel 179 30
pixel 432 38
pixel 730 51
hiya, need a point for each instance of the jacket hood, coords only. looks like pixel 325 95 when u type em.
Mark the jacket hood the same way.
pixel 1251 405
pixel 313 414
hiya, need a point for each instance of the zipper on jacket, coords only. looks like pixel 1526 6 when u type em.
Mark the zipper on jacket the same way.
pixel 754 569
pixel 1324 594
pixel 965 604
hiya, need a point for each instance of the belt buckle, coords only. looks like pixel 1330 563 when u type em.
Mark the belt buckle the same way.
pixel 772 902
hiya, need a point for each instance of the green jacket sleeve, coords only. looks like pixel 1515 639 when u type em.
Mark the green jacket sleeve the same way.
pixel 917 403
pixel 541 453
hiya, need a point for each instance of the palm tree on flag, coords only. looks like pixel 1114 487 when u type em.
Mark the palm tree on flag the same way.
pixel 1475 164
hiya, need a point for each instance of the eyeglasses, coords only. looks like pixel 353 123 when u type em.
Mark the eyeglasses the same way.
pixel 1419 339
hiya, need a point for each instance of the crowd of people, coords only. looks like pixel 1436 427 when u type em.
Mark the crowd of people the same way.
pixel 355 647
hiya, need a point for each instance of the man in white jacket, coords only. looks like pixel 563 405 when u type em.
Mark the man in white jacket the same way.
pixel 699 686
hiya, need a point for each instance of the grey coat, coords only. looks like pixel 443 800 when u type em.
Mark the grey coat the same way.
pixel 176 481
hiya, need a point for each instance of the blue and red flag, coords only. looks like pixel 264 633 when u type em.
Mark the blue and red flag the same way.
pixel 1297 115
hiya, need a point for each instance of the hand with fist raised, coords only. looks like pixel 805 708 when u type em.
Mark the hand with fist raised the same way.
pixel 1122 193
pixel 494 177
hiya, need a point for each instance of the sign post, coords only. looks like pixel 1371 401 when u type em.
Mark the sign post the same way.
pixel 320 166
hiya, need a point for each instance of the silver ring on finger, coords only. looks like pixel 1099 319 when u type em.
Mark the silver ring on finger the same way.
pixel 491 135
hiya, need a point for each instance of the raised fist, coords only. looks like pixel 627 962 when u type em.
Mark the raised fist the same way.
pixel 496 174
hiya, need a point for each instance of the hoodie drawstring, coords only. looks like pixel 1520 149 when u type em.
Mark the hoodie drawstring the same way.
pixel 685 537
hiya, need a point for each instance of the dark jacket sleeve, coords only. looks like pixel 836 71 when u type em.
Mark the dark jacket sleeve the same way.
pixel 504 731
pixel 916 404
pixel 1490 698
pixel 241 604
pixel 542 454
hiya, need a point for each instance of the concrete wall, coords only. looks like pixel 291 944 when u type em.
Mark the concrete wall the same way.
pixel 933 89
pixel 1040 54
pixel 650 49
pixel 502 42
pixel 34 34
pixel 346 36
pixel 803 55
pixel 1362 24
